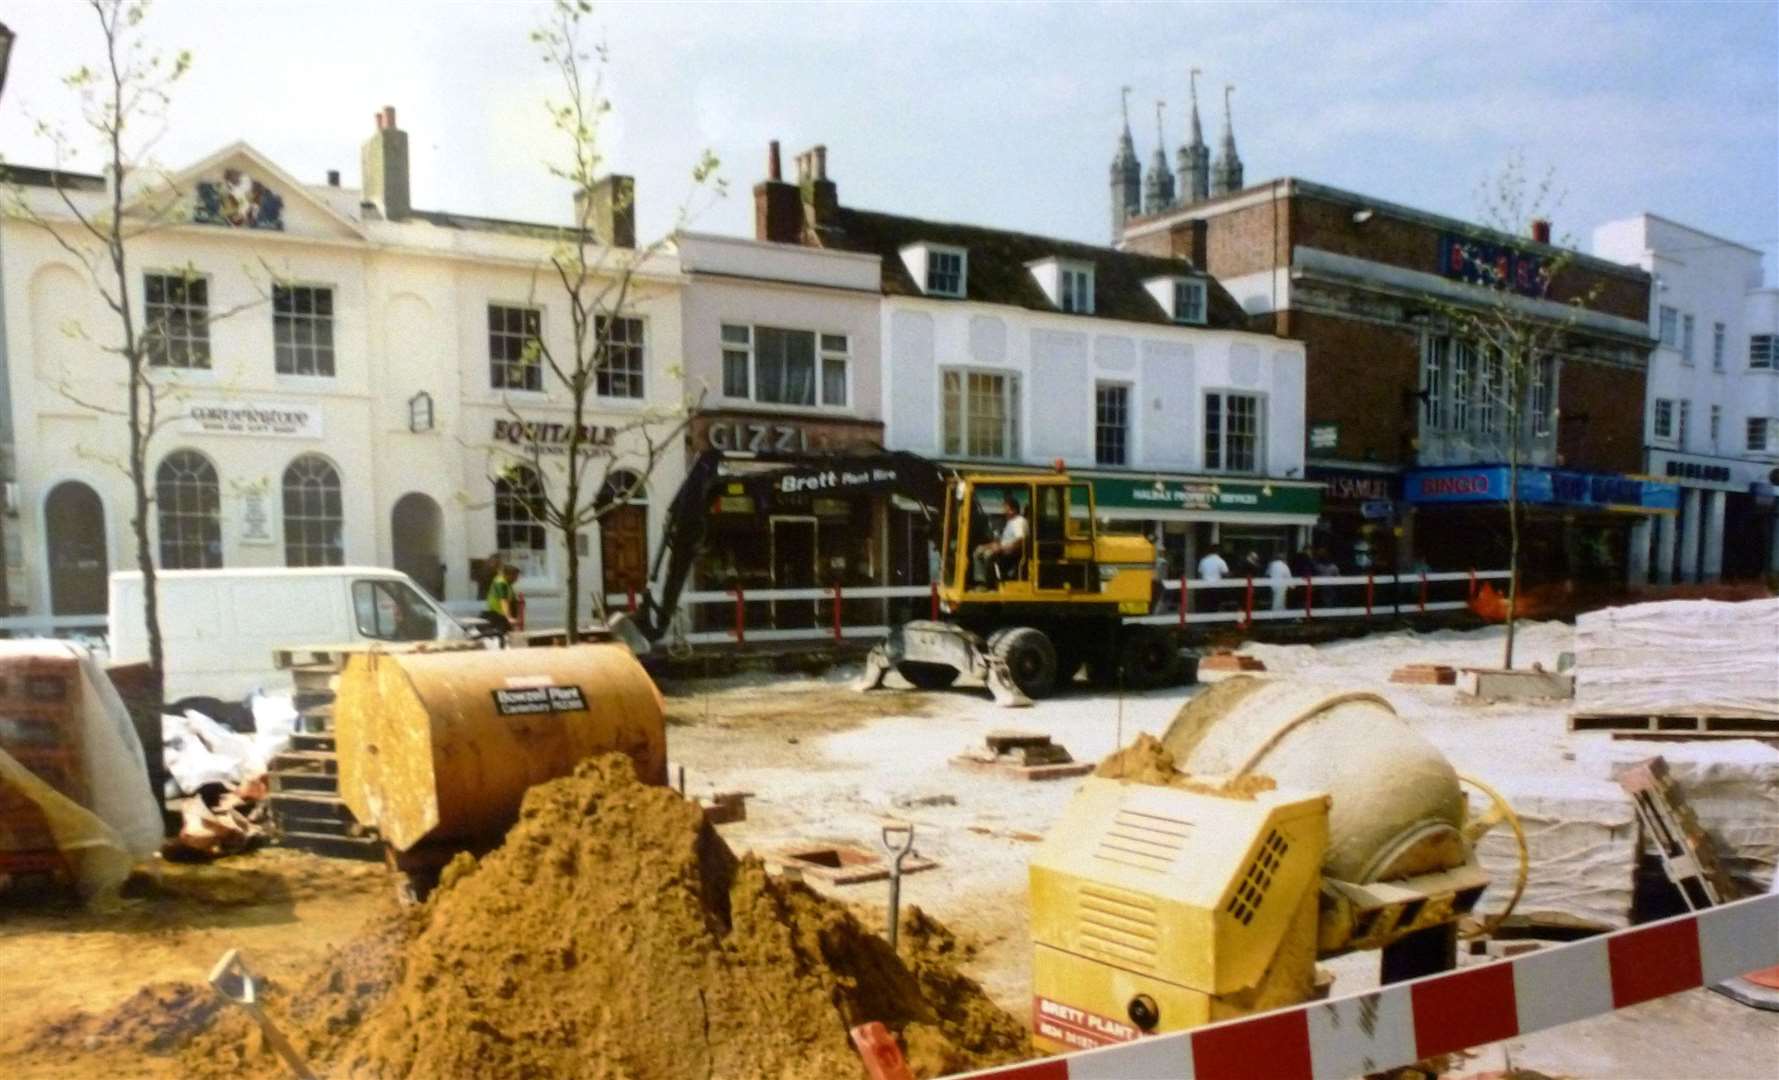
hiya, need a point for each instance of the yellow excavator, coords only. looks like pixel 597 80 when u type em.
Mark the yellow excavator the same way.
pixel 1025 618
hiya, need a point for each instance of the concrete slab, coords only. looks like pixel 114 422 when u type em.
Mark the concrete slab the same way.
pixel 1499 684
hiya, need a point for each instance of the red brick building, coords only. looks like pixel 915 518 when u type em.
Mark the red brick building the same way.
pixel 1399 424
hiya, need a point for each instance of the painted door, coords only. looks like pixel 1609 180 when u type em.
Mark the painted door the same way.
pixel 74 536
pixel 624 549
pixel 414 527
pixel 793 567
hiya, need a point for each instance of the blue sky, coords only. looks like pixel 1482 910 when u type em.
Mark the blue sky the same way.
pixel 1001 115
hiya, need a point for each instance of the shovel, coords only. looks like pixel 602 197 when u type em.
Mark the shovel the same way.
pixel 235 984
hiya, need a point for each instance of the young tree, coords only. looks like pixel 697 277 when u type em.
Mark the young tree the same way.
pixel 122 104
pixel 1504 353
pixel 570 476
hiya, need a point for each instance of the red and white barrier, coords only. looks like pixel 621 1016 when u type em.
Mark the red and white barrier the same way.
pixel 1403 1023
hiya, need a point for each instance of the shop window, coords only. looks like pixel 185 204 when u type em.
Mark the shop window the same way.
pixel 188 505
pixel 1664 418
pixel 303 329
pixel 1111 430
pixel 621 373
pixel 314 523
pixel 1761 352
pixel 513 343
pixel 1232 432
pixel 518 521
pixel 981 413
pixel 176 321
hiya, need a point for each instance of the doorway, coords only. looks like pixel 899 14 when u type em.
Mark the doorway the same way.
pixel 414 527
pixel 74 540
pixel 624 549
pixel 793 567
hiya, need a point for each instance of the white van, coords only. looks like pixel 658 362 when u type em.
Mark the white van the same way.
pixel 220 627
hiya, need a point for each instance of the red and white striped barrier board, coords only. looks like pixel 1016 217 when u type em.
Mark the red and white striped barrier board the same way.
pixel 1405 1022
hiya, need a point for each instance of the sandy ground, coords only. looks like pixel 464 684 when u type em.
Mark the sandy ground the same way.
pixel 282 909
pixel 829 768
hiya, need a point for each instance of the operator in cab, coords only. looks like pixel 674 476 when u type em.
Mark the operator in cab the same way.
pixel 996 555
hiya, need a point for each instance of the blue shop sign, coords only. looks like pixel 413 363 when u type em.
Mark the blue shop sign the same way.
pixel 1536 485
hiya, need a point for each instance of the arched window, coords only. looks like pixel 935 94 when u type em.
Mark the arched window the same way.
pixel 518 527
pixel 188 501
pixel 314 524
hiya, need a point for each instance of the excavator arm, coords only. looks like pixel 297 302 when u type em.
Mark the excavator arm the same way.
pixel 891 472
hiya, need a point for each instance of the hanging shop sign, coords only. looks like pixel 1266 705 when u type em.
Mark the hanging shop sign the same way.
pixel 1324 436
pixel 551 437
pixel 1167 495
pixel 281 420
pixel 752 433
pixel 1489 483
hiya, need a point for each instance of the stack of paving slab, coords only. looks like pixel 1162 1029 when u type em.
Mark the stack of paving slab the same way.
pixel 1581 833
pixel 1679 658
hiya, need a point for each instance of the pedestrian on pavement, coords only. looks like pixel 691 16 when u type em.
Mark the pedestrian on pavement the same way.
pixel 1278 571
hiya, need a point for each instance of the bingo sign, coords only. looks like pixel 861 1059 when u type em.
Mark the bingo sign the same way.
pixel 1536 485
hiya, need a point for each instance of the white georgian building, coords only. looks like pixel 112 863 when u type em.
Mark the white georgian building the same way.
pixel 341 366
pixel 1711 421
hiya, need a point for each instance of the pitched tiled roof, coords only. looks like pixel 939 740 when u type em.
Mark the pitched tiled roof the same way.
pixel 999 271
pixel 447 220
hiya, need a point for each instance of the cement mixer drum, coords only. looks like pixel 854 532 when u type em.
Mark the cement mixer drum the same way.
pixel 439 748
pixel 1397 810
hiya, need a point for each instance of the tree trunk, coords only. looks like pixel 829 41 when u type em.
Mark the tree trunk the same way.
pixel 571 612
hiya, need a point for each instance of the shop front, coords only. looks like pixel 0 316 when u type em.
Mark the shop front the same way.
pixel 1360 512
pixel 788 540
pixel 1251 519
pixel 1575 527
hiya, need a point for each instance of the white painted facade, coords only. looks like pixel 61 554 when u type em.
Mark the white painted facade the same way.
pixel 1061 359
pixel 1707 386
pixel 410 316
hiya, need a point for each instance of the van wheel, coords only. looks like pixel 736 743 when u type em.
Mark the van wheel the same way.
pixel 924 676
pixel 1030 658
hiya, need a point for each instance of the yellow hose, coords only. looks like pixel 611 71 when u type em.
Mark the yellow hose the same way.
pixel 1487 927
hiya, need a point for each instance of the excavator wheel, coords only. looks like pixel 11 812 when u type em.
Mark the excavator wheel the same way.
pixel 1030 659
pixel 924 676
pixel 1150 660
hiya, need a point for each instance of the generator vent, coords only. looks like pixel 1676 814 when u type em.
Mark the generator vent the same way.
pixel 1248 895
pixel 1117 926
pixel 1144 841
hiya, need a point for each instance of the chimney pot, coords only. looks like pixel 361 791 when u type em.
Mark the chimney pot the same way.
pixel 821 162
pixel 1541 230
pixel 333 178
pixel 389 116
pixel 773 172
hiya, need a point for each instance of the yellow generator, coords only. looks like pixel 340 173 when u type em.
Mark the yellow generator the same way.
pixel 1200 878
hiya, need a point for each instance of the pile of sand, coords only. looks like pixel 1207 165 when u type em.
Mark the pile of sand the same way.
pixel 1148 761
pixel 613 935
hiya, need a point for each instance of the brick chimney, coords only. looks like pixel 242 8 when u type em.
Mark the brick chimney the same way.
pixel 384 165
pixel 778 208
pixel 613 214
pixel 821 199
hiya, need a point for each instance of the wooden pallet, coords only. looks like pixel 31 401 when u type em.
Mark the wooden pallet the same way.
pixel 1678 725
pixel 1671 827
pixel 306 808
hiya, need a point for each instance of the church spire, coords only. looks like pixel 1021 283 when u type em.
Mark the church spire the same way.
pixel 1127 177
pixel 1226 171
pixel 1158 186
pixel 1194 159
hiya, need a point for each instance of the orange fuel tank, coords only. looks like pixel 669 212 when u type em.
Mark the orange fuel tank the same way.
pixel 439 748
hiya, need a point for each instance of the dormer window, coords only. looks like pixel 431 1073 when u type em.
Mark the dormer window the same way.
pixel 1077 289
pixel 1183 298
pixel 938 269
pixel 1189 301
pixel 1068 284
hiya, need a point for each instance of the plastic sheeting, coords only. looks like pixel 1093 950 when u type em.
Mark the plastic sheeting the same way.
pixel 1679 657
pixel 1582 835
pixel 119 821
